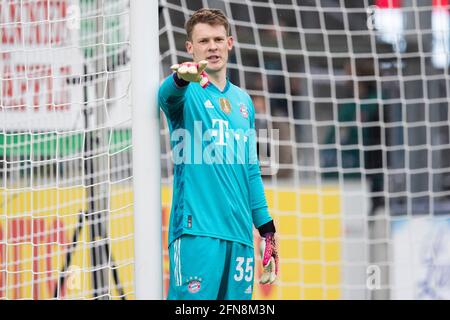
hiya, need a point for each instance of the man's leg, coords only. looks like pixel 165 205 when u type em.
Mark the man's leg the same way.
pixel 196 268
pixel 241 271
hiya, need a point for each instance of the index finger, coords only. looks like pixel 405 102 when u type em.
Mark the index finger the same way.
pixel 202 65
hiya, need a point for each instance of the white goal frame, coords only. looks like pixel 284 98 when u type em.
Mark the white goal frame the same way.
pixel 146 149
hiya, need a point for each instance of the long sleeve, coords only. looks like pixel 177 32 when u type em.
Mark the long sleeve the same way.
pixel 171 96
pixel 260 211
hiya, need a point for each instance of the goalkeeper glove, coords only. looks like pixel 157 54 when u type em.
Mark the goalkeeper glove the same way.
pixel 192 72
pixel 269 256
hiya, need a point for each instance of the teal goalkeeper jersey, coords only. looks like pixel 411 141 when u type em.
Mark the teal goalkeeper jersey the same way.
pixel 217 189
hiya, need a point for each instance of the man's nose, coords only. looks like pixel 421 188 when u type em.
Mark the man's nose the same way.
pixel 212 45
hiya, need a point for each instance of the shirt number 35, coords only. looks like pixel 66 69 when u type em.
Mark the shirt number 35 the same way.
pixel 246 274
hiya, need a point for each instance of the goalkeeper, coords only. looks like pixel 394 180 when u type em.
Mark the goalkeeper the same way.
pixel 215 205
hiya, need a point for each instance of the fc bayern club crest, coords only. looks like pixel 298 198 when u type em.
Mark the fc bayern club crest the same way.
pixel 243 110
pixel 225 105
pixel 194 286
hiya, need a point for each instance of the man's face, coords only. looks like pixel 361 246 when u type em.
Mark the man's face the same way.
pixel 210 43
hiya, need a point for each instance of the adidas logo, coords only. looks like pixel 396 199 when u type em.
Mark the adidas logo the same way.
pixel 248 290
pixel 208 104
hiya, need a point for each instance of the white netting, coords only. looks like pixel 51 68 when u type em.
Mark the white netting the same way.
pixel 361 195
pixel 359 92
pixel 66 228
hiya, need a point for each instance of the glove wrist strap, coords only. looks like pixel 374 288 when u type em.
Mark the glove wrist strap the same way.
pixel 268 227
pixel 179 82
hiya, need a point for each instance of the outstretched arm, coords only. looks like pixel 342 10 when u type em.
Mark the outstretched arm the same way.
pixel 172 91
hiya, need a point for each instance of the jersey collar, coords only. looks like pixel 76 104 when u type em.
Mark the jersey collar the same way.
pixel 213 86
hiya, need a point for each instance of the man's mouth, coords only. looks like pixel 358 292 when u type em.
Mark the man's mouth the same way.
pixel 213 58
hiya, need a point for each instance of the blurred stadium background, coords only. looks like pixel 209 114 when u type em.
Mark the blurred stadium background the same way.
pixel 357 180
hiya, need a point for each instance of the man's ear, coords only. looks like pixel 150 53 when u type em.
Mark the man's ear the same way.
pixel 230 42
pixel 189 47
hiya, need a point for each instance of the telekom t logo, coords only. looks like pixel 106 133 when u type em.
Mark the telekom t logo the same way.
pixel 223 127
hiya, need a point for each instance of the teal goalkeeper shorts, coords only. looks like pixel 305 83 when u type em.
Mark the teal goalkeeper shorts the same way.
pixel 204 268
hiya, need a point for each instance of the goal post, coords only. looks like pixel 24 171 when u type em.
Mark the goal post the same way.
pixel 144 36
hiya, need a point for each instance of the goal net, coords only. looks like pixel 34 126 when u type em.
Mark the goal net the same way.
pixel 356 171
pixel 66 228
pixel 358 183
